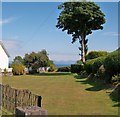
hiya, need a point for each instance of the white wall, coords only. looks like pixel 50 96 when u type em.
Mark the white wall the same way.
pixel 4 60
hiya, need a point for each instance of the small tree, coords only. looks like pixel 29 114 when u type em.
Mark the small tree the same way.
pixel 18 59
pixel 36 60
pixel 79 19
pixel 18 69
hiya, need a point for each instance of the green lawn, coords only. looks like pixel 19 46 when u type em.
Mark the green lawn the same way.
pixel 63 94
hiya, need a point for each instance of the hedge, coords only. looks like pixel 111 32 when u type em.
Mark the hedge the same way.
pixel 96 54
pixel 88 65
pixel 76 68
pixel 112 63
pixel 63 69
pixel 97 63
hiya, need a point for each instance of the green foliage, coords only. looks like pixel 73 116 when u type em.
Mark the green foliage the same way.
pixel 79 19
pixel 76 68
pixel 83 74
pixel 18 69
pixel 96 54
pixel 97 63
pixel 112 63
pixel 88 65
pixel 116 79
pixel 36 60
pixel 52 66
pixel 115 94
pixel 79 62
pixel 63 69
pixel 101 72
pixel 18 59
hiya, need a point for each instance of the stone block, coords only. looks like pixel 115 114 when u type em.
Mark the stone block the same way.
pixel 30 111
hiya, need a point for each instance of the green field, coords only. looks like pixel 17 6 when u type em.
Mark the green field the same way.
pixel 63 94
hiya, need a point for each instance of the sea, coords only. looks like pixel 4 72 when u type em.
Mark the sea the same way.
pixel 62 65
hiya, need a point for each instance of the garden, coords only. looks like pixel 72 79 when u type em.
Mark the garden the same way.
pixel 66 94
pixel 90 86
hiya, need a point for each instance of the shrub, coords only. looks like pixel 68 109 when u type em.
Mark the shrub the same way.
pixel 96 54
pixel 112 63
pixel 63 69
pixel 116 79
pixel 88 65
pixel 97 63
pixel 76 68
pixel 101 72
pixel 52 68
pixel 115 94
pixel 79 62
pixel 18 69
pixel 83 74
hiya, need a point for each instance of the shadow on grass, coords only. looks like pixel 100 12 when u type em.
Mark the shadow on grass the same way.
pixel 96 86
pixel 116 105
pixel 78 77
pixel 115 96
pixel 52 74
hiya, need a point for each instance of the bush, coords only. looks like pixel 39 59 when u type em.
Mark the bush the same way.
pixel 76 68
pixel 79 62
pixel 88 65
pixel 96 54
pixel 97 63
pixel 18 69
pixel 83 74
pixel 115 94
pixel 116 79
pixel 101 72
pixel 112 63
pixel 63 69
pixel 52 68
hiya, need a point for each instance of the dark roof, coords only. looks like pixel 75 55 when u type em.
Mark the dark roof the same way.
pixel 4 49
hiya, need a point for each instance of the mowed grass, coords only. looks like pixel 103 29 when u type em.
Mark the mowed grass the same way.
pixel 62 94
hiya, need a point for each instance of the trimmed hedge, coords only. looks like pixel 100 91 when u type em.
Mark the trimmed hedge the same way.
pixel 97 63
pixel 96 54
pixel 63 69
pixel 76 68
pixel 112 63
pixel 88 65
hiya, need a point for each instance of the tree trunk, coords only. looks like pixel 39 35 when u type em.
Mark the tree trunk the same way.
pixel 83 48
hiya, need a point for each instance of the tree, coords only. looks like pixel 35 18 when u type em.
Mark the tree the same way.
pixel 36 60
pixel 18 59
pixel 79 19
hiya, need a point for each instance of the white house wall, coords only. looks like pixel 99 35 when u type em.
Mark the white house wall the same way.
pixel 4 60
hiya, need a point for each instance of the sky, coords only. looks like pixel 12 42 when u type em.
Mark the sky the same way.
pixel 31 26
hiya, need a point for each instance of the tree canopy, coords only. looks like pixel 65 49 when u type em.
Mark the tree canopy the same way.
pixel 80 19
pixel 35 60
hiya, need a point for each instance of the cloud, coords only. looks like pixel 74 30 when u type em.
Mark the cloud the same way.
pixel 6 21
pixel 10 44
pixel 14 47
pixel 111 34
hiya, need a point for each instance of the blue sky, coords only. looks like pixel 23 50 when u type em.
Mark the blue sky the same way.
pixel 31 26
